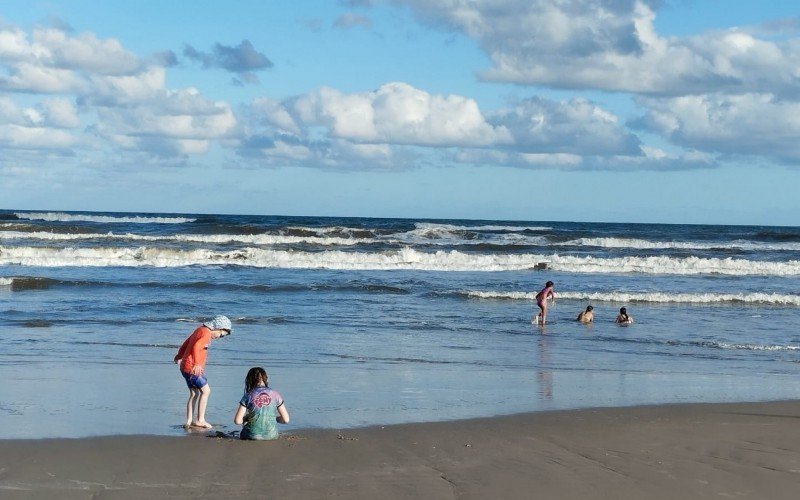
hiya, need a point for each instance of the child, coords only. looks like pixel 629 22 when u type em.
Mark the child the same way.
pixel 260 408
pixel 192 356
pixel 586 316
pixel 541 301
pixel 623 318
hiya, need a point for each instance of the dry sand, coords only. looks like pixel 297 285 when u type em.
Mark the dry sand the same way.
pixel 748 450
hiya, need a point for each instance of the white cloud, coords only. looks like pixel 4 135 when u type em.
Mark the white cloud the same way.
pixel 22 137
pixel 750 124
pixel 61 113
pixel 397 113
pixel 613 45
pixel 576 126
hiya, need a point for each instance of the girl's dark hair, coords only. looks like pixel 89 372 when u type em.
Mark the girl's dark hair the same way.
pixel 589 308
pixel 255 376
pixel 549 283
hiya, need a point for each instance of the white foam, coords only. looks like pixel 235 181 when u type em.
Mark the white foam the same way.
pixel 63 217
pixel 253 239
pixel 655 297
pixel 406 258
pixel 753 347
pixel 689 245
pixel 6 281
pixel 452 227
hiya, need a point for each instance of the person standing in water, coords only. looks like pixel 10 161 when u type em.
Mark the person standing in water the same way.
pixel 541 301
pixel 192 357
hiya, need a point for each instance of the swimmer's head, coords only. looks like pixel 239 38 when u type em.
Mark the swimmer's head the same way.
pixel 622 310
pixel 549 283
pixel 589 308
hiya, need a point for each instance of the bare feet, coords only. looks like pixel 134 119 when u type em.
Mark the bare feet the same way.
pixel 202 425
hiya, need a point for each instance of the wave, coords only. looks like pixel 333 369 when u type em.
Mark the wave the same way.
pixel 402 259
pixel 324 237
pixel 750 347
pixel 17 284
pixel 494 228
pixel 654 297
pixel 687 245
pixel 65 217
pixel 253 239
pixel 311 238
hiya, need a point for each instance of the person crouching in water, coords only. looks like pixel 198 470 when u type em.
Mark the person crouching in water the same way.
pixel 260 408
pixel 192 356
pixel 623 318
pixel 541 301
pixel 586 316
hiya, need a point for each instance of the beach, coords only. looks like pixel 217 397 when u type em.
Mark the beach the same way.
pixel 741 450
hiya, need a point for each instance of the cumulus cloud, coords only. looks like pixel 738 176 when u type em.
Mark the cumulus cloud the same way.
pixel 57 49
pixel 103 97
pixel 376 125
pixel 749 124
pixel 40 127
pixel 613 45
pixel 576 126
pixel 243 59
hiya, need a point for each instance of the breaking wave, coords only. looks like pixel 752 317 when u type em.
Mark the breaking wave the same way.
pixel 687 245
pixel 656 297
pixel 405 258
pixel 65 217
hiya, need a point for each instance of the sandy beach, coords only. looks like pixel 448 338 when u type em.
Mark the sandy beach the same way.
pixel 746 450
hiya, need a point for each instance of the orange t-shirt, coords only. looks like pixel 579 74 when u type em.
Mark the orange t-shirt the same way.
pixel 194 349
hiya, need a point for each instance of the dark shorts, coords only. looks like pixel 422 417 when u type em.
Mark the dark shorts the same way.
pixel 194 381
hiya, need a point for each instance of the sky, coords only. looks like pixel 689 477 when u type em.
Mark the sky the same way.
pixel 673 111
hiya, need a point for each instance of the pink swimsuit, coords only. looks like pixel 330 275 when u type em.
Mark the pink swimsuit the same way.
pixel 542 296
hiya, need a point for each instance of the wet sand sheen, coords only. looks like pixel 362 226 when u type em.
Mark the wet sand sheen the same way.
pixel 743 450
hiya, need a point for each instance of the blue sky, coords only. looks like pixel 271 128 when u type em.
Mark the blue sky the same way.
pixel 620 110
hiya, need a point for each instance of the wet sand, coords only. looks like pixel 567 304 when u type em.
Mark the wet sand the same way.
pixel 743 450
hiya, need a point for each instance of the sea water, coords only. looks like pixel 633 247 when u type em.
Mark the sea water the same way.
pixel 377 321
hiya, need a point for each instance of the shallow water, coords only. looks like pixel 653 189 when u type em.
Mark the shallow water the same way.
pixel 373 321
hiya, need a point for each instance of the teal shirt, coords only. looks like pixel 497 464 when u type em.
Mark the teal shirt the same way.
pixel 262 411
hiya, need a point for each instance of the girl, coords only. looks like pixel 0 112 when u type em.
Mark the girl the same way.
pixel 541 301
pixel 260 407
pixel 623 318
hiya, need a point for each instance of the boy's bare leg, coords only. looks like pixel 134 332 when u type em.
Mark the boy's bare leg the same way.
pixel 190 407
pixel 205 391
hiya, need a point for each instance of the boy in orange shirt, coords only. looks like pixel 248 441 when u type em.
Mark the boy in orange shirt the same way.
pixel 192 356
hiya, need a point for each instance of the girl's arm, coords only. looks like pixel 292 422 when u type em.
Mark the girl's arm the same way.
pixel 238 419
pixel 283 414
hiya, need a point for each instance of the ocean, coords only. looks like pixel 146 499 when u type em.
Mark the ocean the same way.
pixel 363 321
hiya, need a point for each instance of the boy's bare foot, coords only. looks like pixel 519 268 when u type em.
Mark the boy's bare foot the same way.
pixel 202 425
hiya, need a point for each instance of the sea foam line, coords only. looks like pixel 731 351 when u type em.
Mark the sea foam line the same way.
pixel 405 258
pixel 64 217
pixel 688 245
pixel 655 297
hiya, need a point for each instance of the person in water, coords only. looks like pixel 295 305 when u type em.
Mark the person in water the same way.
pixel 192 357
pixel 586 316
pixel 623 318
pixel 261 407
pixel 541 301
